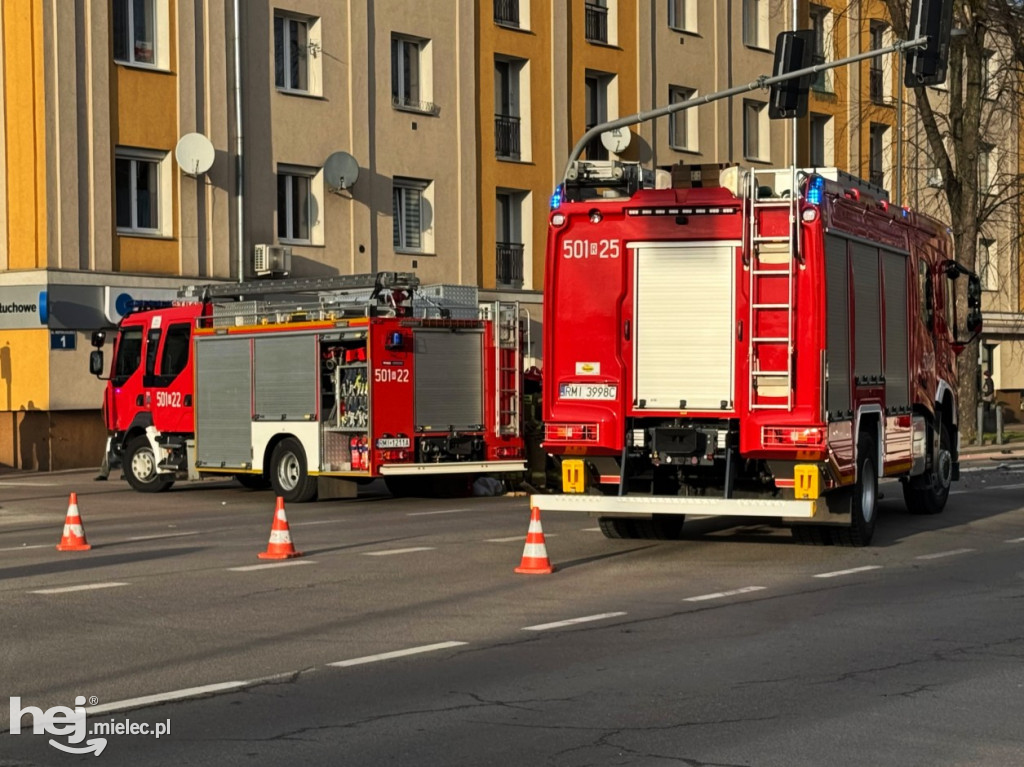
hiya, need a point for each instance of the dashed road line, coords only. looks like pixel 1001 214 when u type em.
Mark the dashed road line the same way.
pixel 269 565
pixel 431 513
pixel 33 546
pixel 851 571
pixel 1015 540
pixel 164 697
pixel 572 622
pixel 28 484
pixel 164 535
pixel 511 538
pixel 941 554
pixel 397 551
pixel 721 594
pixel 315 522
pixel 395 654
pixel 80 587
pixel 591 530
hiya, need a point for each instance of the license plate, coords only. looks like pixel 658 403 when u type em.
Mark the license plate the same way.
pixel 588 391
pixel 384 443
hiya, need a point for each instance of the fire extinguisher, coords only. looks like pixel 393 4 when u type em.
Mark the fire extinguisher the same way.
pixel 353 446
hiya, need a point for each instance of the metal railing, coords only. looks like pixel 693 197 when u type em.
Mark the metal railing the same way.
pixel 506 12
pixel 509 264
pixel 596 23
pixel 407 102
pixel 506 136
pixel 818 81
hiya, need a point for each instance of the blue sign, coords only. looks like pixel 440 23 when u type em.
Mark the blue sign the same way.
pixel 62 339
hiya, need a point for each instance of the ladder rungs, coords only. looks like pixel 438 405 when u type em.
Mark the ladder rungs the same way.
pixel 780 406
pixel 770 306
pixel 770 340
pixel 771 373
pixel 773 272
pixel 771 238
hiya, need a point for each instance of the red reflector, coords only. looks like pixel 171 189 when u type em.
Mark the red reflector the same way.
pixel 792 436
pixel 570 432
pixel 903 421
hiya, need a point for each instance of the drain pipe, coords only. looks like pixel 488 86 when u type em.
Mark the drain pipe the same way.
pixel 239 187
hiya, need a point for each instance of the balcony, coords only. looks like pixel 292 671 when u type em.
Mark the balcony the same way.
pixel 509 264
pixel 506 13
pixel 596 23
pixel 506 137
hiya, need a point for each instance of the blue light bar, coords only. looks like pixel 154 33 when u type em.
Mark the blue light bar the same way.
pixel 556 198
pixel 815 190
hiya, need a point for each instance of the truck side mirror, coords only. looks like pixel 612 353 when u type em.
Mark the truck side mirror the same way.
pixel 974 320
pixel 98 338
pixel 96 363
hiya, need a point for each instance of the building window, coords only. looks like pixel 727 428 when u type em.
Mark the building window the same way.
pixel 879 136
pixel 755 130
pixel 294 204
pixel 876 79
pixel 987 265
pixel 410 206
pixel 987 168
pixel 509 240
pixel 989 71
pixel 597 86
pixel 596 21
pixel 682 15
pixel 140 30
pixel 411 77
pixel 138 180
pixel 682 130
pixel 506 109
pixel 821 26
pixel 755 23
pixel 822 147
pixel 506 12
pixel 295 53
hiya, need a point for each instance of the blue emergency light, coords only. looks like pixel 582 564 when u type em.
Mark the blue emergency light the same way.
pixel 556 198
pixel 815 190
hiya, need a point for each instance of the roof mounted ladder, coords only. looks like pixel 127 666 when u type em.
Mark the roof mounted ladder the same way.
pixel 772 250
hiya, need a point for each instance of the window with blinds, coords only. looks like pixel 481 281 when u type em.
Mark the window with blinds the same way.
pixel 408 218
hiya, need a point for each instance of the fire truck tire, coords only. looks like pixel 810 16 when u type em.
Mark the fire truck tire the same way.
pixel 660 527
pixel 140 468
pixel 928 493
pixel 288 472
pixel 615 527
pixel 864 505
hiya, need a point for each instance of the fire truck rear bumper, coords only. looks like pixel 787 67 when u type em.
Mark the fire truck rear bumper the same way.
pixel 483 467
pixel 645 506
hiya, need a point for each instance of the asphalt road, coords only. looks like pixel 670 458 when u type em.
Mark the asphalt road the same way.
pixel 733 646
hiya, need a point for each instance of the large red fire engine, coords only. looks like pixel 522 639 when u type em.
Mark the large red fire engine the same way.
pixel 314 385
pixel 767 345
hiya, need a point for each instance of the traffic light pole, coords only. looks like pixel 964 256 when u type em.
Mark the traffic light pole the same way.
pixel 764 81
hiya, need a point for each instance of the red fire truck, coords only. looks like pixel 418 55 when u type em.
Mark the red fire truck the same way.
pixel 769 344
pixel 313 385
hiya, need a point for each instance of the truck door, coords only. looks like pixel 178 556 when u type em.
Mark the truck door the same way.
pixel 167 380
pixel 126 378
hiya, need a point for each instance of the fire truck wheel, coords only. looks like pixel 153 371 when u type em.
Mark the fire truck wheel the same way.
pixel 864 505
pixel 615 527
pixel 660 527
pixel 140 468
pixel 928 493
pixel 288 474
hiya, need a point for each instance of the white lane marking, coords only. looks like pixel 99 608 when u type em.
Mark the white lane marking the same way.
pixel 442 511
pixel 315 522
pixel 287 563
pixel 33 546
pixel 82 587
pixel 508 540
pixel 397 551
pixel 1018 486
pixel 960 492
pixel 941 554
pixel 164 535
pixel 395 654
pixel 164 697
pixel 28 484
pixel 571 622
pixel 591 530
pixel 720 594
pixel 1015 540
pixel 848 572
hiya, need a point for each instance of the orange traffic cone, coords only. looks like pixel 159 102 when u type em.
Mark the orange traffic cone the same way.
pixel 74 534
pixel 535 554
pixel 280 546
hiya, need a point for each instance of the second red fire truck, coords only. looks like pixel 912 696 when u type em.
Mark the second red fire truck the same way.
pixel 311 386
pixel 769 344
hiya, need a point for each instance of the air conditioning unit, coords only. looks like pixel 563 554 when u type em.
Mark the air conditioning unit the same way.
pixel 271 260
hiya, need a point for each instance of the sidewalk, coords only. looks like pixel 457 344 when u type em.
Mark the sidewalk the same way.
pixel 1011 449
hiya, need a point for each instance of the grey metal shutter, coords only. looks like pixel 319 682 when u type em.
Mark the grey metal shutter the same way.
pixel 223 402
pixel 449 379
pixel 837 327
pixel 287 373
pixel 897 376
pixel 867 312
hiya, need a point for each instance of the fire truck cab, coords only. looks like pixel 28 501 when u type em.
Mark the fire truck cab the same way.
pixel 771 344
pixel 313 386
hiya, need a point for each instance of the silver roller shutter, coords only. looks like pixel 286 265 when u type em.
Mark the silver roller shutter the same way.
pixel 449 379
pixel 287 373
pixel 837 299
pixel 897 381
pixel 867 312
pixel 223 402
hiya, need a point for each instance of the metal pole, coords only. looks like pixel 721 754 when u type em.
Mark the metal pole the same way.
pixel 239 165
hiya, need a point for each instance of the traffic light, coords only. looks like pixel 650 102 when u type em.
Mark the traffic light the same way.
pixel 927 66
pixel 793 50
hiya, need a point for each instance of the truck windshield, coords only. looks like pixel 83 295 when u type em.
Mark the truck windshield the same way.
pixel 129 355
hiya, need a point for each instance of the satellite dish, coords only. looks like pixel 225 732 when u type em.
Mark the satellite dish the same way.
pixel 616 140
pixel 194 154
pixel 340 171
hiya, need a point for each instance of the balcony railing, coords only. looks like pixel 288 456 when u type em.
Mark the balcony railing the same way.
pixel 875 86
pixel 506 12
pixel 818 81
pixel 596 23
pixel 506 137
pixel 510 264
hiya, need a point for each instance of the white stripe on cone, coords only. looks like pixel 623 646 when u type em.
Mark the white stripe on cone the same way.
pixel 535 551
pixel 280 536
